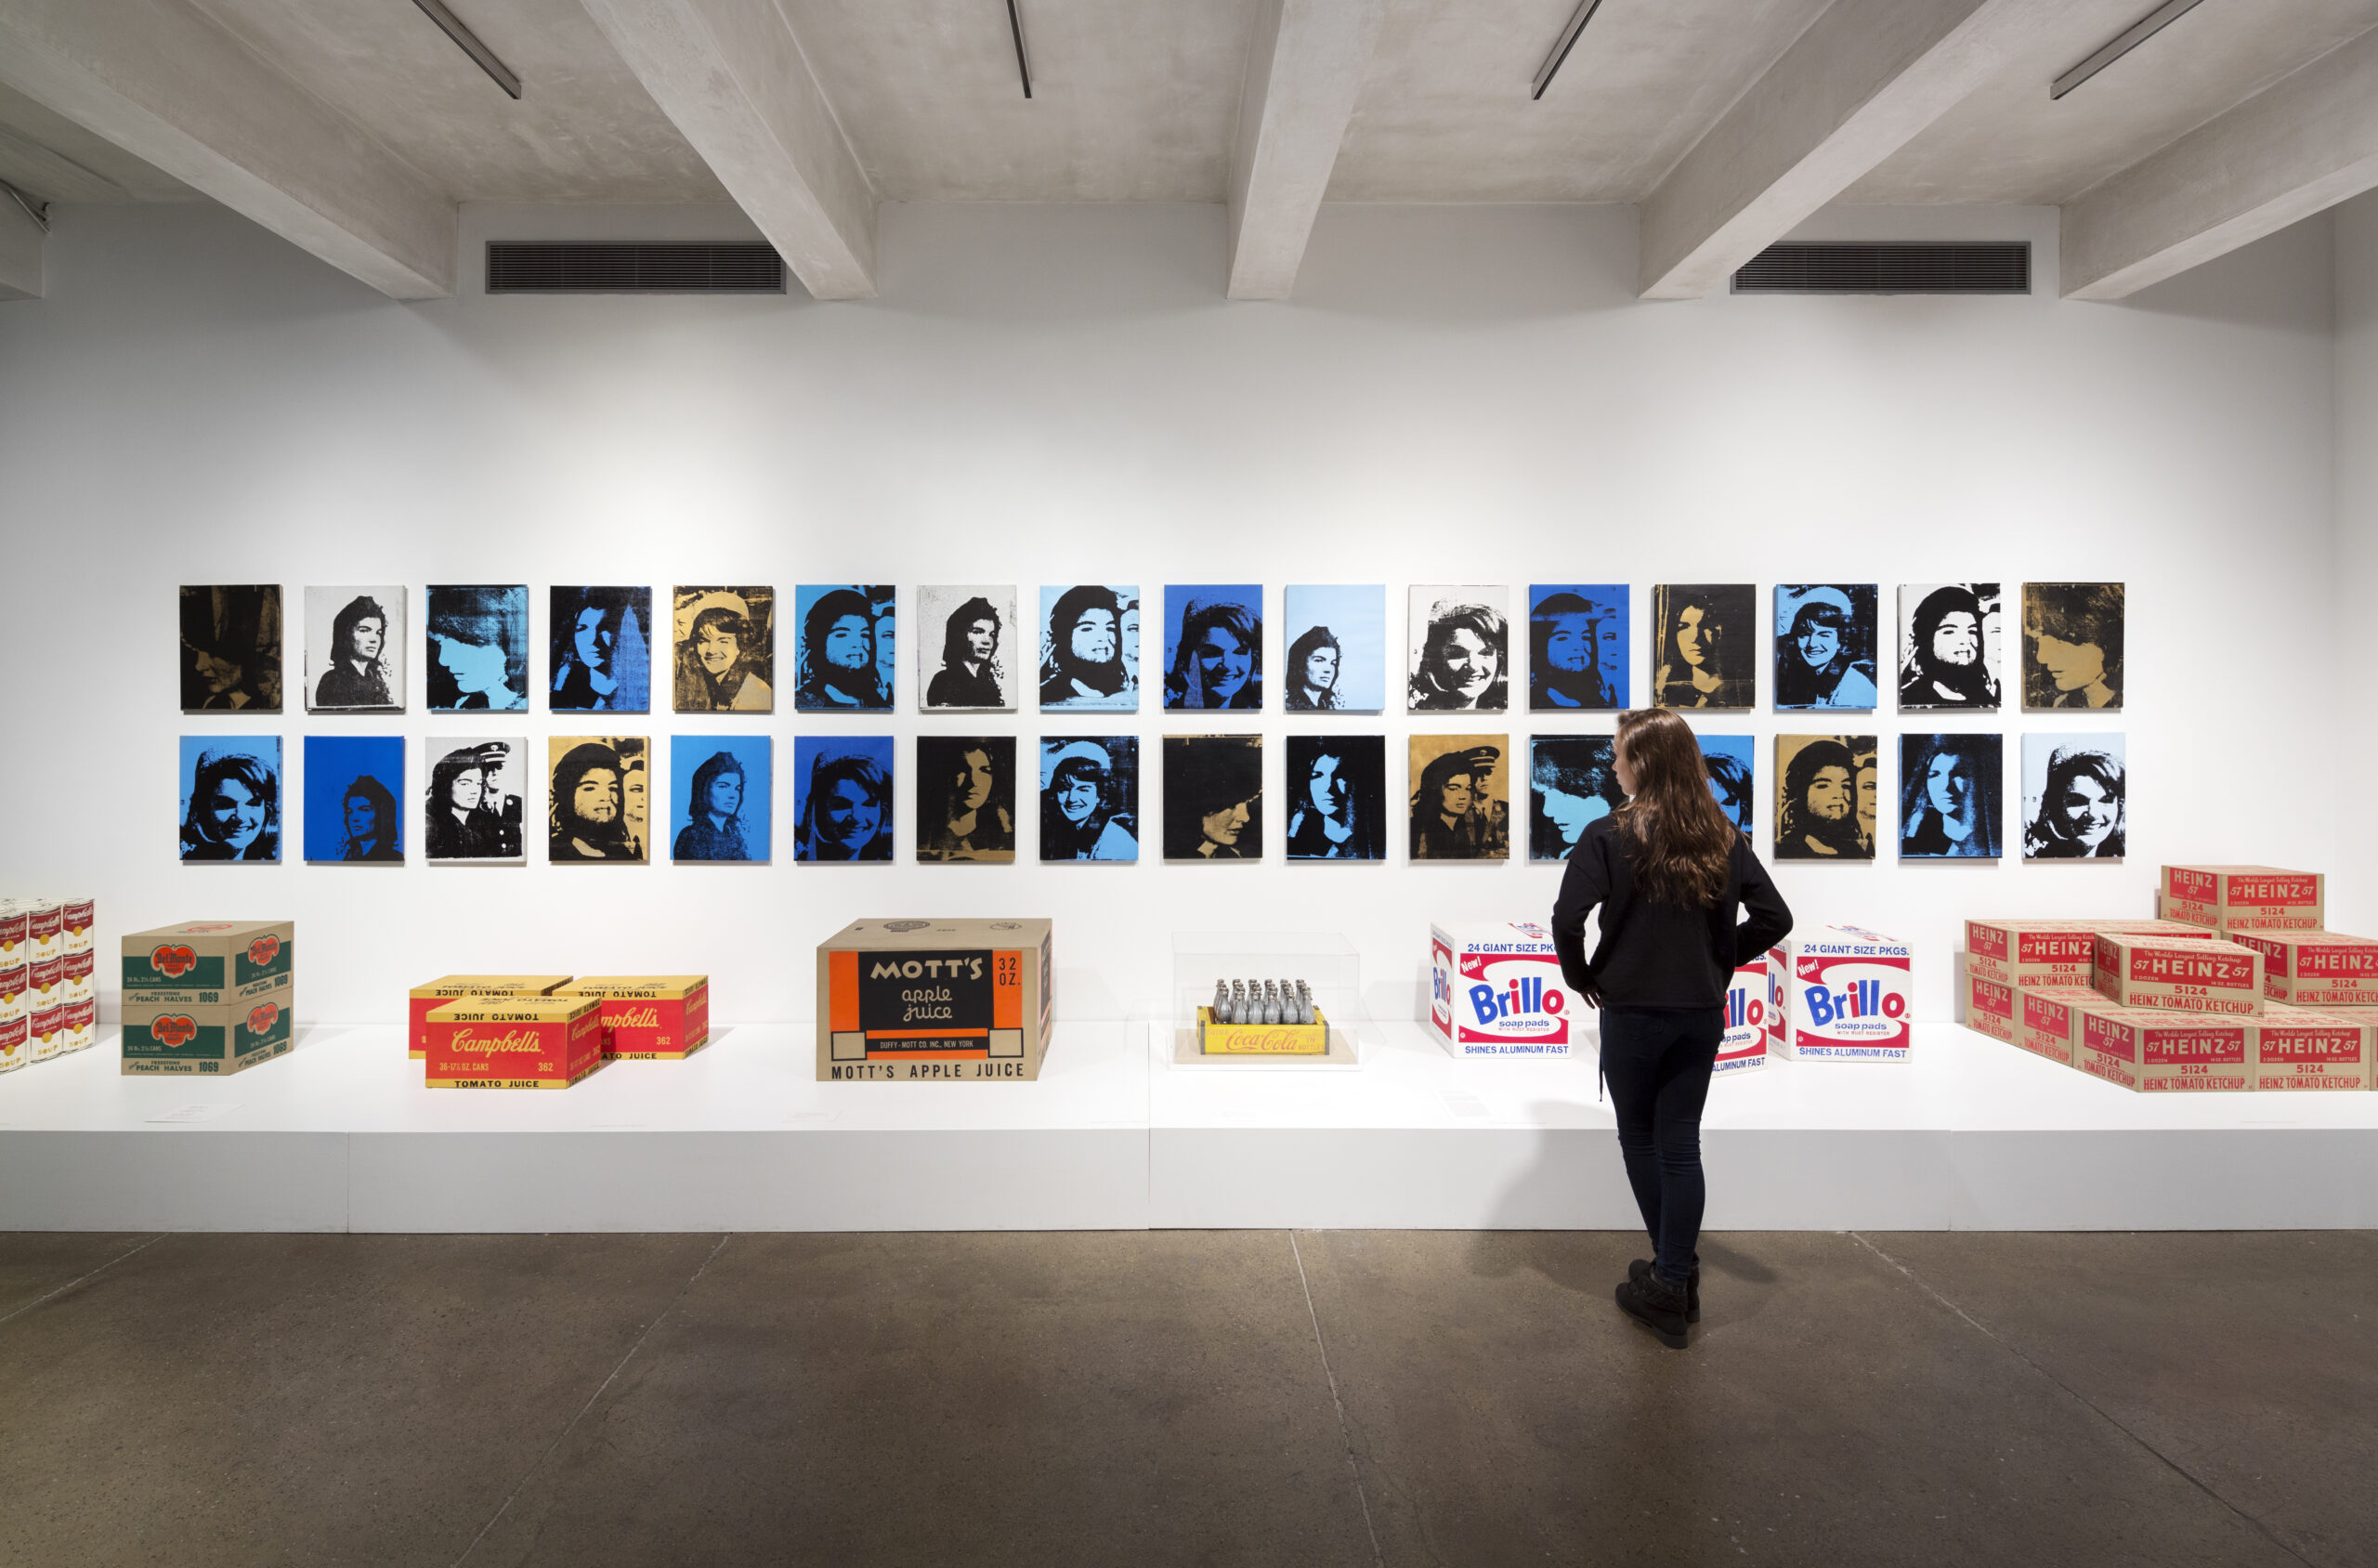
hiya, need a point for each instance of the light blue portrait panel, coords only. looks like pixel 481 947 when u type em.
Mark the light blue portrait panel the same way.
pixel 1351 618
pixel 233 802
pixel 721 797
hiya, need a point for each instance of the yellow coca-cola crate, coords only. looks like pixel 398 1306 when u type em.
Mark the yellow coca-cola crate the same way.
pixel 513 1042
pixel 649 1017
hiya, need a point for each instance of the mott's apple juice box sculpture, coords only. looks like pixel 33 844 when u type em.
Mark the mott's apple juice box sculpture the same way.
pixel 1494 991
pixel 919 999
pixel 1748 998
pixel 1845 995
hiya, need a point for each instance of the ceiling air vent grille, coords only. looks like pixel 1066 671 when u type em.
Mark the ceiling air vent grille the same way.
pixel 1876 268
pixel 602 266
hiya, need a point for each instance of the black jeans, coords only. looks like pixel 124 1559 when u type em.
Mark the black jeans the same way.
pixel 1657 1061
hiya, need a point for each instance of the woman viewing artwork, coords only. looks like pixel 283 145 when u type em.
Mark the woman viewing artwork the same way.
pixel 1336 638
pixel 726 642
pixel 473 805
pixel 977 626
pixel 966 798
pixel 231 797
pixel 843 802
pixel 1337 797
pixel 1817 808
pixel 1824 645
pixel 1213 646
pixel 1089 647
pixel 718 789
pixel 1948 645
pixel 1703 657
pixel 1461 802
pixel 1461 651
pixel 1090 797
pixel 601 650
pixel 2075 797
pixel 1680 901
pixel 1214 797
pixel 355 651
pixel 1949 787
pixel 2072 645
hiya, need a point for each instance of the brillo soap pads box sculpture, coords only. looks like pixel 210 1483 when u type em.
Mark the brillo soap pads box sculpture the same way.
pixel 1494 991
pixel 2314 968
pixel 649 1017
pixel 208 963
pixel 1743 1046
pixel 2179 976
pixel 914 1000
pixel 2244 898
pixel 455 988
pixel 513 1042
pixel 1847 996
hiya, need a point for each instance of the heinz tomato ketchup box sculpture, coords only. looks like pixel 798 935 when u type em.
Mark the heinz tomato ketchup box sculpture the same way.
pixel 2179 976
pixel 649 1017
pixel 513 1042
pixel 1847 996
pixel 916 1000
pixel 214 1040
pixel 2302 1048
pixel 2314 968
pixel 2048 1019
pixel 2157 1051
pixel 208 963
pixel 2243 897
pixel 1990 1006
pixel 1744 1048
pixel 1494 991
pixel 455 988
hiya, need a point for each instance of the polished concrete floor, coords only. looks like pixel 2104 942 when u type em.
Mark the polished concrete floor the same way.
pixel 1184 1397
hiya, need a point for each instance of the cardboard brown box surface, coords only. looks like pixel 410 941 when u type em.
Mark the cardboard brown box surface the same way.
pixel 2047 1020
pixel 2159 1051
pixel 2179 975
pixel 2020 951
pixel 2244 898
pixel 216 1041
pixel 2299 1048
pixel 2319 969
pixel 453 987
pixel 1989 1006
pixel 911 1000
pixel 208 963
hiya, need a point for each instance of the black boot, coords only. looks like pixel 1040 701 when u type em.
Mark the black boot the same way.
pixel 1642 1266
pixel 1657 1305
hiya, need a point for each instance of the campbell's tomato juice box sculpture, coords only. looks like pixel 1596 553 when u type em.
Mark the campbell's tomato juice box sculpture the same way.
pixel 217 1041
pixel 649 1017
pixel 2158 1052
pixel 208 963
pixel 1494 991
pixel 1848 996
pixel 513 1042
pixel 454 987
pixel 911 1001
pixel 2182 976
pixel 2314 968
pixel 2302 1048
pixel 1744 1049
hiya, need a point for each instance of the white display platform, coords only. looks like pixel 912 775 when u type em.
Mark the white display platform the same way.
pixel 342 1135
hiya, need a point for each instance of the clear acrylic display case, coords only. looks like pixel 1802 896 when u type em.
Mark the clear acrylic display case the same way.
pixel 1323 960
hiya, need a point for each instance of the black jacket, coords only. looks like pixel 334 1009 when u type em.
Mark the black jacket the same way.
pixel 1663 955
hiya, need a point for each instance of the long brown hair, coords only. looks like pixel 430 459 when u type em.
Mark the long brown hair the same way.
pixel 1685 846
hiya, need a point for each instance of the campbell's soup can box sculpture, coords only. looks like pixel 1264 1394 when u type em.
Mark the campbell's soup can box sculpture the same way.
pixel 1494 991
pixel 1744 1049
pixel 1847 996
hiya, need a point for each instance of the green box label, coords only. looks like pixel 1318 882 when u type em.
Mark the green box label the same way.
pixel 171 967
pixel 266 957
pixel 174 1036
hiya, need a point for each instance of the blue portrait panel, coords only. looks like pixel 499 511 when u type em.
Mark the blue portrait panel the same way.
pixel 1089 647
pixel 1090 797
pixel 1578 642
pixel 1336 638
pixel 1825 643
pixel 1213 645
pixel 477 638
pixel 841 797
pixel 601 650
pixel 1733 774
pixel 1950 790
pixel 846 653
pixel 231 797
pixel 1573 782
pixel 720 797
pixel 353 783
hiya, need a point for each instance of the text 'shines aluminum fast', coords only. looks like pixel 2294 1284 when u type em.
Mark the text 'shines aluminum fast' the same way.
pixel 1848 997
pixel 1494 991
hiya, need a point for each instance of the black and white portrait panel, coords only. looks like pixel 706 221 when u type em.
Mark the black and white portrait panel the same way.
pixel 355 650
pixel 966 798
pixel 479 648
pixel 2076 797
pixel 1948 647
pixel 1824 644
pixel 1458 657
pixel 1705 645
pixel 967 639
pixel 1089 646
pixel 2072 645
pixel 725 649
pixel 1825 788
pixel 1461 796
pixel 1950 786
pixel 1573 783
pixel 599 783
pixel 601 641
pixel 472 805
pixel 230 652
pixel 1337 797
pixel 1214 797
pixel 1090 797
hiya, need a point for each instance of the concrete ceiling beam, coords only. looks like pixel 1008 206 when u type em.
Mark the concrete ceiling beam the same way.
pixel 165 83
pixel 1854 88
pixel 20 240
pixel 2300 146
pixel 733 78
pixel 1303 73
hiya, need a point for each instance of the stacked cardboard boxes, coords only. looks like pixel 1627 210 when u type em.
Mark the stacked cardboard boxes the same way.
pixel 209 997
pixel 550 1031
pixel 48 1003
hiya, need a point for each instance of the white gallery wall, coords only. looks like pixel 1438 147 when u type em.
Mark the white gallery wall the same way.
pixel 1058 395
